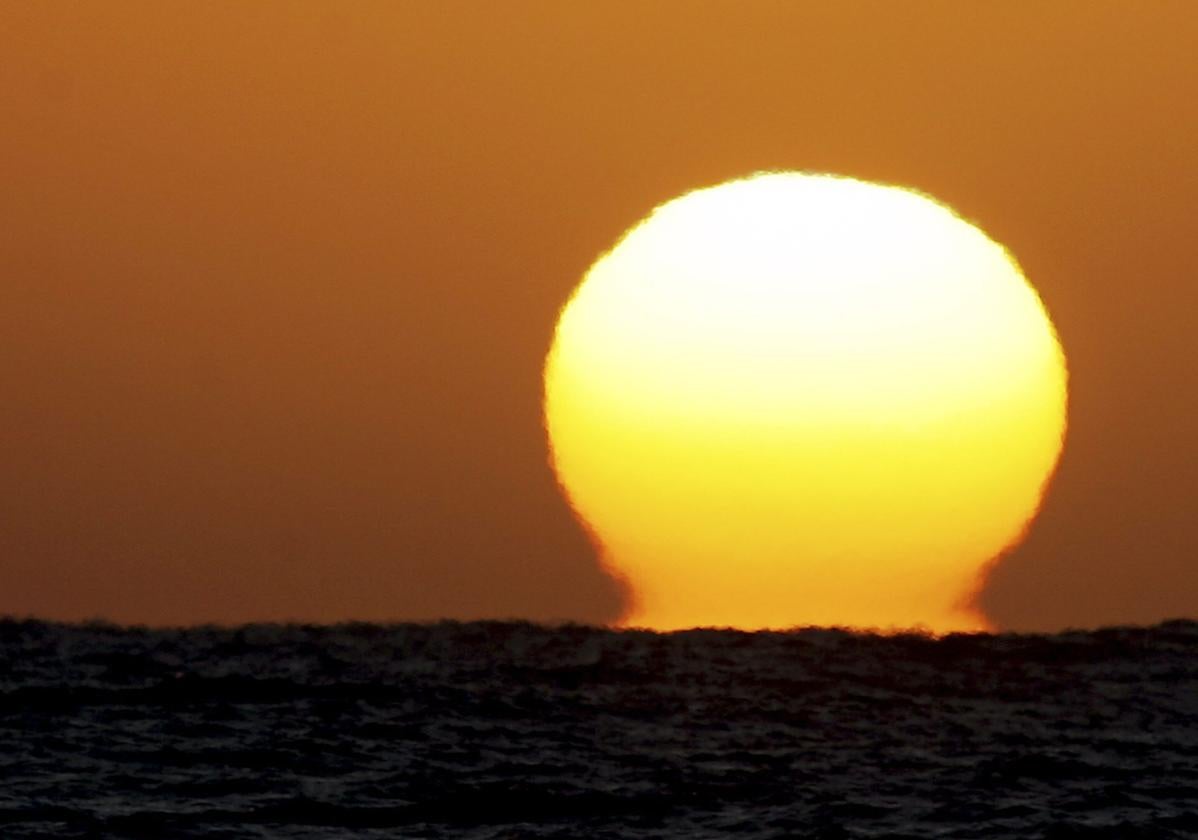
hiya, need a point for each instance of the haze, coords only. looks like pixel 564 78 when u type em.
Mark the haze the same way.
pixel 279 278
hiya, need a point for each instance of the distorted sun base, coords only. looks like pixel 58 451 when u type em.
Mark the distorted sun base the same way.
pixel 799 399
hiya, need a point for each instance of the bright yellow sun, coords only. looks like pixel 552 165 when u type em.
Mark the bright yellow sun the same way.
pixel 803 399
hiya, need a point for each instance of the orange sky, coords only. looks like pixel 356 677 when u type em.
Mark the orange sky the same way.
pixel 278 278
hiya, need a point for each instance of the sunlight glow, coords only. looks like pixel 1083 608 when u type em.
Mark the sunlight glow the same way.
pixel 803 399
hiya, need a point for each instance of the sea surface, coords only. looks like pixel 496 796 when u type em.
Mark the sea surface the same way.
pixel 513 730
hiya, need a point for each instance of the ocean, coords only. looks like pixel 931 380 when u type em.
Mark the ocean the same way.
pixel 509 730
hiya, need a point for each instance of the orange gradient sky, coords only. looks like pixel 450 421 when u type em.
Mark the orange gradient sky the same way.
pixel 279 278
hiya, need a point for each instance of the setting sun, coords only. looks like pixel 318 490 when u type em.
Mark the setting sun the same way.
pixel 804 399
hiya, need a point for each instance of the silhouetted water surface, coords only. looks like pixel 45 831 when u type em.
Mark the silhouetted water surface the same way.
pixel 509 730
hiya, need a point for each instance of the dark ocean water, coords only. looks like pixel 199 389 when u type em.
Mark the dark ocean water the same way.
pixel 510 730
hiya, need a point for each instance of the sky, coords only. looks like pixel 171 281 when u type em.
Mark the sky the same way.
pixel 277 279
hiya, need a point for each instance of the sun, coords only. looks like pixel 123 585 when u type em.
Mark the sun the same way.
pixel 800 399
